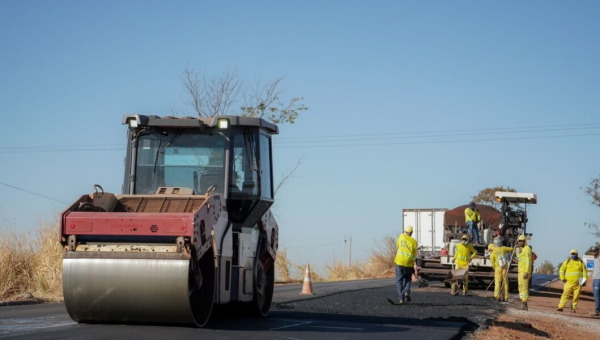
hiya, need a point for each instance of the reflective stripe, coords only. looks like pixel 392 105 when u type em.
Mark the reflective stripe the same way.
pixel 573 274
pixel 405 254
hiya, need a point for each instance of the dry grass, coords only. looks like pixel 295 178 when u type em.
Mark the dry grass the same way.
pixel 381 262
pixel 314 276
pixel 341 272
pixel 282 267
pixel 31 263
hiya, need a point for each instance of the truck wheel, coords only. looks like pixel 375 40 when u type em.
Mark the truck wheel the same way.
pixel 447 285
pixel 264 284
pixel 202 299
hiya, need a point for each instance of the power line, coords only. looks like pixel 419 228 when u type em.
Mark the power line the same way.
pixel 62 150
pixel 35 193
pixel 432 142
pixel 339 138
pixel 446 131
pixel 435 136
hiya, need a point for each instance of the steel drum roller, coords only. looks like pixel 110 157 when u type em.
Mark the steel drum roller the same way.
pixel 139 290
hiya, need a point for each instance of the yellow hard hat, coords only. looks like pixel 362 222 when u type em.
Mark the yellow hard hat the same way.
pixel 409 229
pixel 522 238
pixel 490 247
pixel 574 251
pixel 465 237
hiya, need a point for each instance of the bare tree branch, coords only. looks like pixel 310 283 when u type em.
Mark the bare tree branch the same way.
pixel 192 84
pixel 287 177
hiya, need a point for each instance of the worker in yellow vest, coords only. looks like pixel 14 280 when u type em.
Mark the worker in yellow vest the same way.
pixel 462 257
pixel 574 274
pixel 472 218
pixel 524 260
pixel 405 262
pixel 500 263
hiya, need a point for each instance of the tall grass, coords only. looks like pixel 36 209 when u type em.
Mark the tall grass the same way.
pixel 31 263
pixel 282 267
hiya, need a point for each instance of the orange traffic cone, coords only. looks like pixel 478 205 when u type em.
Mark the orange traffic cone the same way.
pixel 307 286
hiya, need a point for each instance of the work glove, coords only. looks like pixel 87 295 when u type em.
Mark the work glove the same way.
pixel 526 276
pixel 583 285
pixel 565 280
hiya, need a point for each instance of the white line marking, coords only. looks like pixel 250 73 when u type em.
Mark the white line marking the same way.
pixel 347 328
pixel 287 337
pixel 294 325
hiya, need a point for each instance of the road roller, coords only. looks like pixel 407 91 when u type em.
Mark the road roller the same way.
pixel 191 229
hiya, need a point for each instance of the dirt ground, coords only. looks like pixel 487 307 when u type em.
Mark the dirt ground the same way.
pixel 542 320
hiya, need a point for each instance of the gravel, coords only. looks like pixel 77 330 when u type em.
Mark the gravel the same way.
pixel 591 324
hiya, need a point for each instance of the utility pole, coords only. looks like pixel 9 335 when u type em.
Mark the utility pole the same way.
pixel 344 257
pixel 350 258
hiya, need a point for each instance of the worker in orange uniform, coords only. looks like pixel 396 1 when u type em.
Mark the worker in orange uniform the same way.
pixel 571 272
pixel 524 259
pixel 500 263
pixel 405 262
pixel 463 256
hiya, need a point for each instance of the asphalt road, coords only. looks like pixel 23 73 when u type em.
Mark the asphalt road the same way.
pixel 338 310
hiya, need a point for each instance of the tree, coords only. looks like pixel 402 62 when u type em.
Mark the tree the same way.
pixel 547 267
pixel 593 190
pixel 217 95
pixel 487 196
pixel 210 95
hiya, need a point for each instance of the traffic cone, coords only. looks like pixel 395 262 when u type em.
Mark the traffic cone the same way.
pixel 307 286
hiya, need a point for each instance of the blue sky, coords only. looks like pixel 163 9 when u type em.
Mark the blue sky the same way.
pixel 70 69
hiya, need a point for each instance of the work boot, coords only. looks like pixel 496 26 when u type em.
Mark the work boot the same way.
pixel 573 310
pixel 524 307
pixel 454 290
pixel 595 313
pixel 559 309
pixel 464 293
pixel 407 297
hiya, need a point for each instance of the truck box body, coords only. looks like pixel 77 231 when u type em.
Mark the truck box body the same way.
pixel 428 225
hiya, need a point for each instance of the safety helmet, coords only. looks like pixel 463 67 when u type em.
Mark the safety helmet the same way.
pixel 464 237
pixel 409 229
pixel 498 241
pixel 491 247
pixel 522 238
pixel 574 251
pixel 594 249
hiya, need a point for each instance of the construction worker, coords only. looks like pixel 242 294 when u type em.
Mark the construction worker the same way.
pixel 570 272
pixel 472 217
pixel 524 260
pixel 500 264
pixel 463 256
pixel 405 262
pixel 596 280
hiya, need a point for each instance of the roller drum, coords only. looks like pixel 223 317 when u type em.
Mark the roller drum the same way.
pixel 149 288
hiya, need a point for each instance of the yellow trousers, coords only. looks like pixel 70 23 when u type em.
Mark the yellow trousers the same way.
pixel 501 279
pixel 523 287
pixel 570 288
pixel 466 281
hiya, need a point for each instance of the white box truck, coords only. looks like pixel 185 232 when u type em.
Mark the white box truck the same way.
pixel 428 225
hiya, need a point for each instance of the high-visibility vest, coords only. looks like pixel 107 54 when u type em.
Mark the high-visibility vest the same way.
pixel 499 252
pixel 524 257
pixel 464 253
pixel 472 215
pixel 407 251
pixel 572 270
